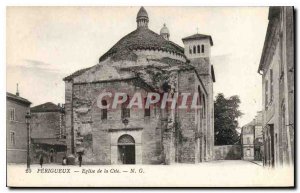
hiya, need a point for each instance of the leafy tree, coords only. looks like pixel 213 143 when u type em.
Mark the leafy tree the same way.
pixel 226 111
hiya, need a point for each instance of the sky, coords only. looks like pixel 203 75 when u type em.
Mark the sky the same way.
pixel 45 44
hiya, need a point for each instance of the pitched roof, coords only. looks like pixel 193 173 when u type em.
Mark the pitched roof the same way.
pixel 46 107
pixel 77 73
pixel 198 37
pixel 141 38
pixel 17 98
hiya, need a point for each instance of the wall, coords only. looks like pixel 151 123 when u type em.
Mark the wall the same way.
pixel 187 128
pixel 158 54
pixel 227 152
pixel 279 57
pixel 289 78
pixel 45 124
pixel 100 146
pixel 68 116
pixel 16 153
pixel 271 110
pixel 195 135
pixel 47 133
pixel 201 62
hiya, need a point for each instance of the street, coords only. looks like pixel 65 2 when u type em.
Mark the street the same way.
pixel 217 163
pixel 215 173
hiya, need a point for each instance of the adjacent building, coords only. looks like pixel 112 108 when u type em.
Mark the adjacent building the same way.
pixel 48 135
pixel 252 139
pixel 143 62
pixel 277 70
pixel 16 128
pixel 228 152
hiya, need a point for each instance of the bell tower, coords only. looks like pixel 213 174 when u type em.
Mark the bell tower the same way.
pixel 197 49
pixel 197 46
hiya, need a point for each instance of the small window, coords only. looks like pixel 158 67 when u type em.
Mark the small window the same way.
pixel 202 48
pixel 12 138
pixel 104 110
pixel 281 56
pixel 266 94
pixel 198 49
pixel 147 110
pixel 204 105
pixel 194 49
pixel 190 49
pixel 125 111
pixel 271 84
pixel 12 114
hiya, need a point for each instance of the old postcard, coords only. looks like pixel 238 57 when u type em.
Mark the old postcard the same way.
pixel 150 96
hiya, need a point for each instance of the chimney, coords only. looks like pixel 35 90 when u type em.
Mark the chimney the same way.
pixel 17 93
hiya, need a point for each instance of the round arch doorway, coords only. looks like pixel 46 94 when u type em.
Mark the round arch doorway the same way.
pixel 126 149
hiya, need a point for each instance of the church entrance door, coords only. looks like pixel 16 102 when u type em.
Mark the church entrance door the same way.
pixel 126 149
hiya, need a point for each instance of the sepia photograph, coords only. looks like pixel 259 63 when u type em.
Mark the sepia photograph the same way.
pixel 150 96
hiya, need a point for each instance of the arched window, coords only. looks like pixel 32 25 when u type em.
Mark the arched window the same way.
pixel 104 110
pixel 126 140
pixel 125 111
pixel 190 49
pixel 147 110
pixel 198 49
pixel 202 48
pixel 194 49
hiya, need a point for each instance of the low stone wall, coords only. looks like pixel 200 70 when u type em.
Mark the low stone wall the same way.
pixel 227 152
pixel 16 156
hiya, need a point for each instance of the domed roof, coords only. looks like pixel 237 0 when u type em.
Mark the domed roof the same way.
pixel 164 30
pixel 140 39
pixel 142 13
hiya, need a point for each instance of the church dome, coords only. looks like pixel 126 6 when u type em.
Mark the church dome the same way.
pixel 164 30
pixel 141 39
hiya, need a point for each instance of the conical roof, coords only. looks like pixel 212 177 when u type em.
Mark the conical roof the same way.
pixel 142 13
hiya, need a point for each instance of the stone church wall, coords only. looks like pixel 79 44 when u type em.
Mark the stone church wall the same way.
pixel 187 128
pixel 96 136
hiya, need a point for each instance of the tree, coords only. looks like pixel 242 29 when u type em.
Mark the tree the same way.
pixel 226 111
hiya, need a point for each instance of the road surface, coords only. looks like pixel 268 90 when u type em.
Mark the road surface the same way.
pixel 229 173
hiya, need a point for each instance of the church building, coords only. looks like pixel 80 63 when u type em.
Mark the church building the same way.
pixel 143 62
